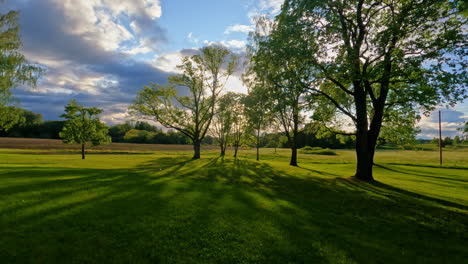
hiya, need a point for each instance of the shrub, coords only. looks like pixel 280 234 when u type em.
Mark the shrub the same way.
pixel 316 151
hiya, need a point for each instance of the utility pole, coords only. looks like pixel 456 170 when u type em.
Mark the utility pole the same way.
pixel 440 140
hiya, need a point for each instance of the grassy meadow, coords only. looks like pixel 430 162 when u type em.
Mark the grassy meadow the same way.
pixel 162 207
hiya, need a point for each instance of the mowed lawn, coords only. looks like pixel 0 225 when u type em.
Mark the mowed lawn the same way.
pixel 165 208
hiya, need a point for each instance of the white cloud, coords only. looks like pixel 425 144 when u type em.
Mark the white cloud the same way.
pixel 232 44
pixel 192 38
pixel 239 28
pixel 274 6
pixel 451 121
pixel 101 21
pixel 168 62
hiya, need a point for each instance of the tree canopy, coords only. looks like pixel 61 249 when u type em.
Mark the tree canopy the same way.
pixel 204 75
pixel 14 68
pixel 83 126
pixel 374 60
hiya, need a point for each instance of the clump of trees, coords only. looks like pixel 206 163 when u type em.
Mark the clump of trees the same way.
pixel 204 75
pixel 369 62
pixel 82 126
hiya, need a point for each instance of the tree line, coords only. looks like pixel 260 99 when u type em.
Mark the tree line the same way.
pixel 362 69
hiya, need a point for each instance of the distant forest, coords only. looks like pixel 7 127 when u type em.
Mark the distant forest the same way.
pixel 34 126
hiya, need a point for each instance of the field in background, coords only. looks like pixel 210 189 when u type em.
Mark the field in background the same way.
pixel 56 145
pixel 163 207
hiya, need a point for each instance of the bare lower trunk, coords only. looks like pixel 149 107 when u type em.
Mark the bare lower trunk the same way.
pixel 196 150
pixel 258 145
pixel 293 156
pixel 223 150
pixel 82 151
pixel 236 147
pixel 365 159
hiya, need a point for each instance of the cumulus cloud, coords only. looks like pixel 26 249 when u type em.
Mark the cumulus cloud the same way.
pixel 231 44
pixel 451 121
pixel 239 28
pixel 87 48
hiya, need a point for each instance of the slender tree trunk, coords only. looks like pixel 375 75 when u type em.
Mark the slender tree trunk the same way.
pixel 223 149
pixel 82 151
pixel 258 144
pixel 196 149
pixel 294 139
pixel 236 147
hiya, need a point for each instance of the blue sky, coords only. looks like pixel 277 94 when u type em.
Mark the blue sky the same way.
pixel 101 52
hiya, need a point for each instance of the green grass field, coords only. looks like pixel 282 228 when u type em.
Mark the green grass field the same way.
pixel 164 208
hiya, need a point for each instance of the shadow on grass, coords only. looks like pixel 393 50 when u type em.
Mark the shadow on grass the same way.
pixel 176 210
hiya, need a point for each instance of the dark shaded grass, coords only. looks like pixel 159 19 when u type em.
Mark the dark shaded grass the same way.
pixel 174 210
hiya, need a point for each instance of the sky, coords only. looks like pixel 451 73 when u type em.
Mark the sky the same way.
pixel 100 52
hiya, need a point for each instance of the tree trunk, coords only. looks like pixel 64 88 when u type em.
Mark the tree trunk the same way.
pixel 258 146
pixel 236 147
pixel 82 151
pixel 223 149
pixel 294 139
pixel 196 149
pixel 293 156
pixel 365 158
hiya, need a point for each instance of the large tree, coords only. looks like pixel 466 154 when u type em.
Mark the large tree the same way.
pixel 14 68
pixel 83 126
pixel 204 75
pixel 373 58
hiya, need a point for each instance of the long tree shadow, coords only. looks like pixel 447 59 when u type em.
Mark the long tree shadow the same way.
pixel 174 210
pixel 417 173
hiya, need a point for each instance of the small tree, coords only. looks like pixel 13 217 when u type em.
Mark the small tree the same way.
pixel 82 126
pixel 257 108
pixel 222 121
pixel 239 122
pixel 204 75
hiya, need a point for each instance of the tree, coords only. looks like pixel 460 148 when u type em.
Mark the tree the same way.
pixel 27 124
pixel 222 121
pixel 371 58
pixel 281 76
pixel 204 75
pixel 464 130
pixel 257 107
pixel 82 126
pixel 14 68
pixel 118 132
pixel 239 122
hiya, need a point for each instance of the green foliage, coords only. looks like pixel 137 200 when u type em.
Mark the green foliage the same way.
pixel 10 116
pixel 14 68
pixel 118 132
pixel 25 122
pixel 204 76
pixel 82 125
pixel 373 61
pixel 223 118
pixel 316 151
pixel 139 136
